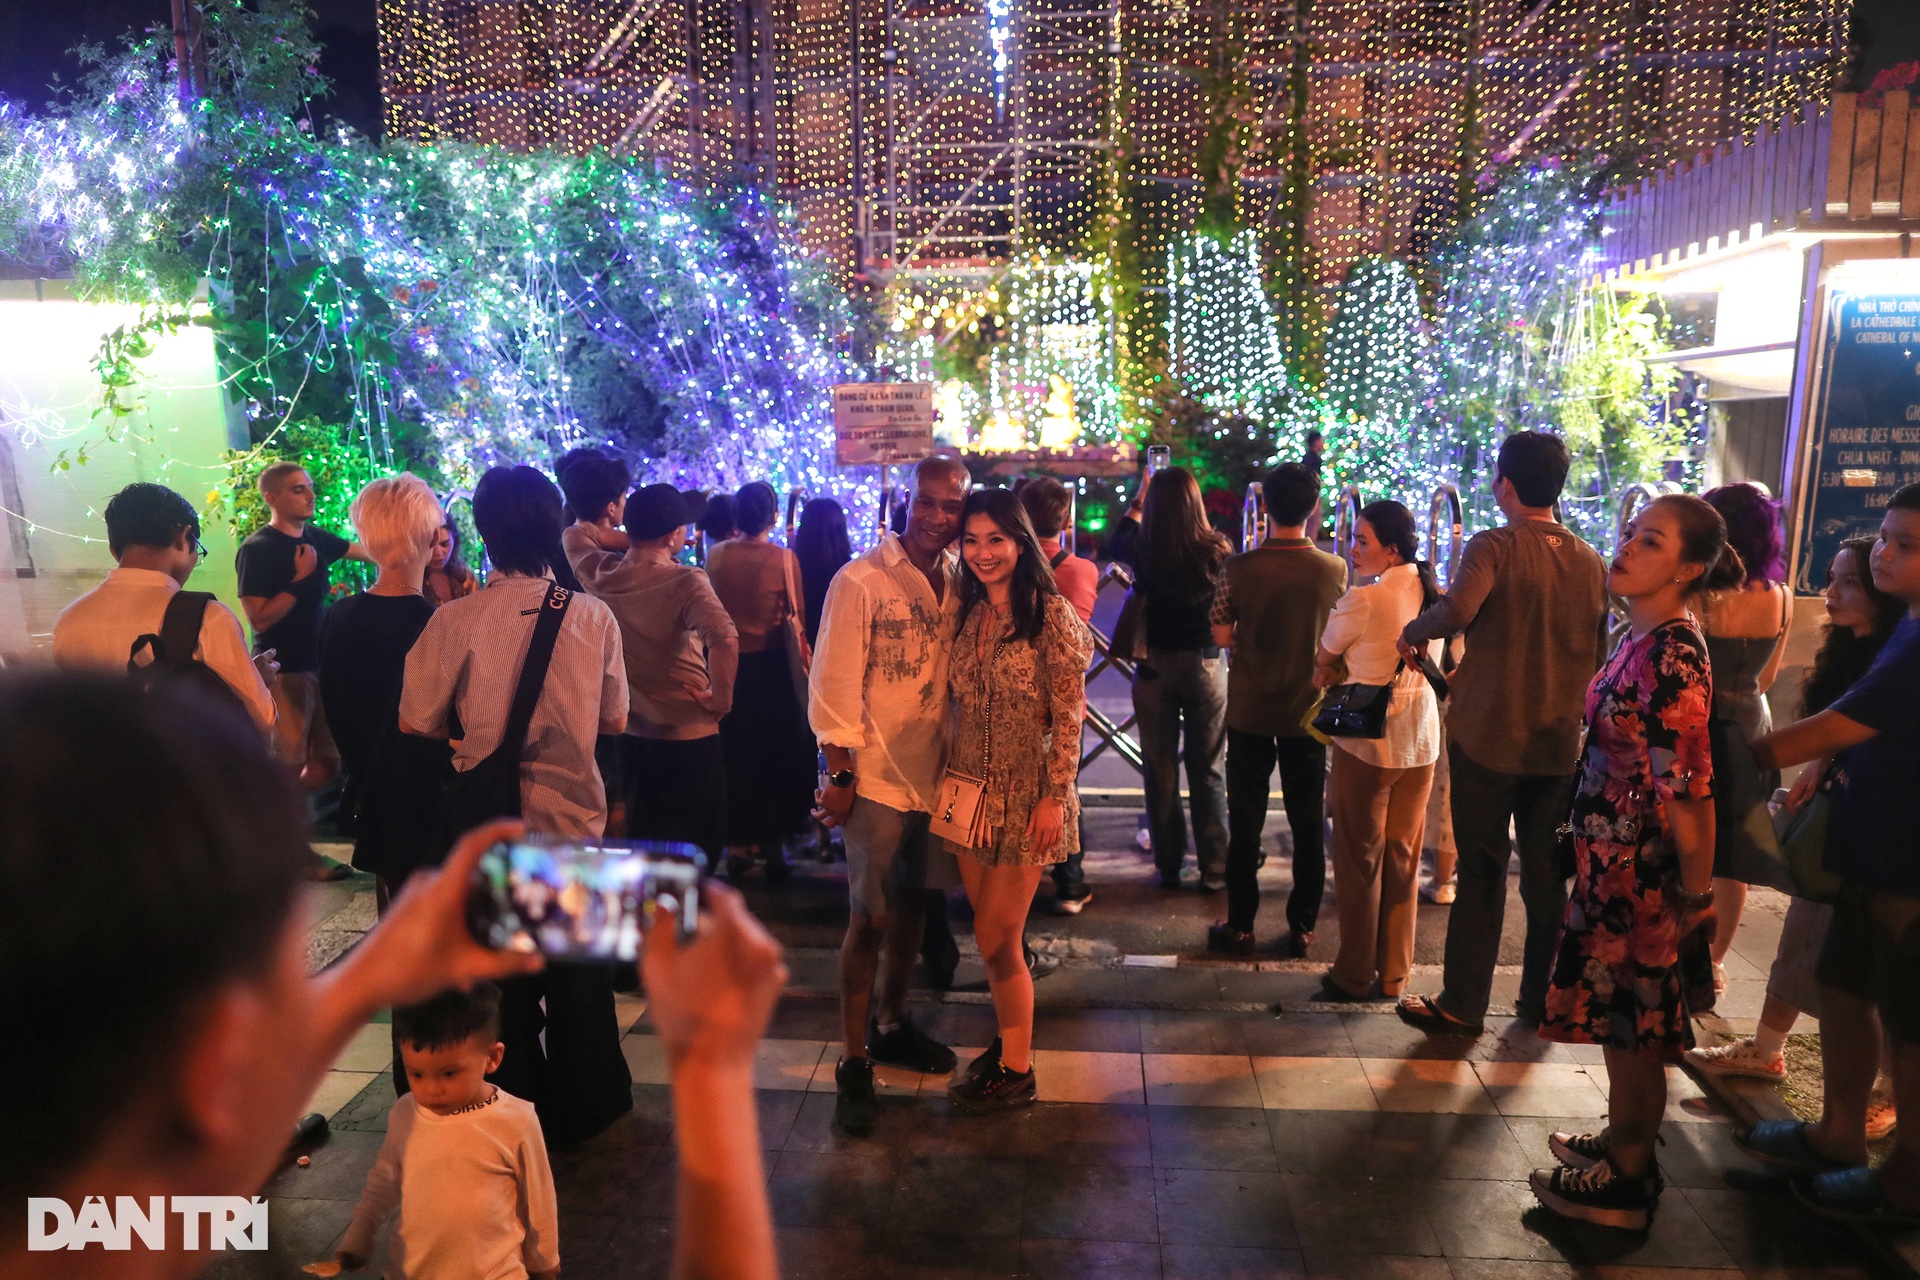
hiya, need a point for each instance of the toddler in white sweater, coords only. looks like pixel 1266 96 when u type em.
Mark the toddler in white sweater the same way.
pixel 464 1160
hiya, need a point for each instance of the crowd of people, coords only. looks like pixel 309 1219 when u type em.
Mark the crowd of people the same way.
pixel 1605 720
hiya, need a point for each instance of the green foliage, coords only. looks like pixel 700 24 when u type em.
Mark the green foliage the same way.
pixel 337 459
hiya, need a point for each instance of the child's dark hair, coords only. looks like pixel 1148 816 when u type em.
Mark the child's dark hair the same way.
pixel 1703 541
pixel 1905 498
pixel 450 1018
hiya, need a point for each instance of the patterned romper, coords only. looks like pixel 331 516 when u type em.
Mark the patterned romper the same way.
pixel 1625 975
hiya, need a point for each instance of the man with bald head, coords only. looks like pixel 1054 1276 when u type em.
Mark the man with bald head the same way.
pixel 877 699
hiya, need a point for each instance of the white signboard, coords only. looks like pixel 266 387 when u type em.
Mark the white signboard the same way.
pixel 879 423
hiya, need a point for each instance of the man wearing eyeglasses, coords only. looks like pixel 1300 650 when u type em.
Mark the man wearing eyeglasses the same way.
pixel 154 535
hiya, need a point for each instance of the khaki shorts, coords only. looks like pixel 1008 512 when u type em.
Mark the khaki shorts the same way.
pixel 300 725
pixel 1873 952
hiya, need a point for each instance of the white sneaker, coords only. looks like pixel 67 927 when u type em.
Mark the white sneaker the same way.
pixel 1741 1058
pixel 1438 891
pixel 1881 1117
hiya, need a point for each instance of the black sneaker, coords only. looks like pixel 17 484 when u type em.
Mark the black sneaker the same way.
pixel 1226 940
pixel 909 1047
pixel 1598 1195
pixel 855 1108
pixel 1584 1150
pixel 1040 963
pixel 994 1089
pixel 988 1061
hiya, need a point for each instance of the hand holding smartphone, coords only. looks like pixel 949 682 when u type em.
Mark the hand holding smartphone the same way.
pixel 571 900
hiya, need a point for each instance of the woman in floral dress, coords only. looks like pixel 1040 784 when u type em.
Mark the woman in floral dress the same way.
pixel 1018 680
pixel 1633 965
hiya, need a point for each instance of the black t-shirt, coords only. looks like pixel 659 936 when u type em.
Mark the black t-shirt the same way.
pixel 265 567
pixel 363 659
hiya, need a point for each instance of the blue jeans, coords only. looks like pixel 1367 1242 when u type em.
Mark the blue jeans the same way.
pixel 1186 692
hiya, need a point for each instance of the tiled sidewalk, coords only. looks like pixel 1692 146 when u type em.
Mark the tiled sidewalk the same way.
pixel 1167 1143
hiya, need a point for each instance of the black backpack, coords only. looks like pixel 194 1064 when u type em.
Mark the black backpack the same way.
pixel 169 662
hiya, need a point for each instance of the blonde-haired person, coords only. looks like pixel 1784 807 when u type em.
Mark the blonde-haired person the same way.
pixel 363 654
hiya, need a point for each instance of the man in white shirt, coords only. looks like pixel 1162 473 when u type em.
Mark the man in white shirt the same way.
pixel 154 535
pixel 877 700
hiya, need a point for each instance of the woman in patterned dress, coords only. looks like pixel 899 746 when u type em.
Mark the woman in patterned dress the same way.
pixel 1633 965
pixel 1018 680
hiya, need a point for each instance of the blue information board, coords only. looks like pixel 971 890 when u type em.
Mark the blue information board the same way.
pixel 1866 441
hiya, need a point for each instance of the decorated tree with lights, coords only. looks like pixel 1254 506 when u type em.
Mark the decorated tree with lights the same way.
pixel 1379 377
pixel 1222 339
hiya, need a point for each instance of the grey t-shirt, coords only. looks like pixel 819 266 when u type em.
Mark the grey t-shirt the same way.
pixel 1531 598
pixel 467 662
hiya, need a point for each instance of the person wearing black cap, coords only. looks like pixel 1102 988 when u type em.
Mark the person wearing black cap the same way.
pixel 681 651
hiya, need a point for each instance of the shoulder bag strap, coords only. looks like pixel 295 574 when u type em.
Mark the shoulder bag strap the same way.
pixel 1059 558
pixel 533 675
pixel 180 626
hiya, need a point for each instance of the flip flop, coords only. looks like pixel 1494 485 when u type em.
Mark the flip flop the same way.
pixel 1851 1195
pixel 1425 1014
pixel 1783 1144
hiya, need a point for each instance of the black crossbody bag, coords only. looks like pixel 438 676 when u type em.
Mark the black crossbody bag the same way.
pixel 1360 710
pixel 491 789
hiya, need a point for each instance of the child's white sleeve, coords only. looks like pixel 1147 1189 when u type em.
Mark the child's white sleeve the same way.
pixel 382 1192
pixel 539 1207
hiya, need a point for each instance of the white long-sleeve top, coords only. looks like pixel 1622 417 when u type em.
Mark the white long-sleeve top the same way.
pixel 1365 629
pixel 879 681
pixel 474 1191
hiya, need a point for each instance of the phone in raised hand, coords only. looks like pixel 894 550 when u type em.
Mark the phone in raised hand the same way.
pixel 580 900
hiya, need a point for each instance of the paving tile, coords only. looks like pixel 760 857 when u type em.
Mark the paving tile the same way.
pixel 1358 1215
pixel 1515 1269
pixel 1770 1232
pixel 1516 1040
pixel 1326 1142
pixel 1067 1075
pixel 1687 1103
pixel 939 1129
pixel 1427 1084
pixel 1080 1133
pixel 336 1089
pixel 813 1128
pixel 913 1255
pixel 1322 1265
pixel 606 1173
pixel 1678 1238
pixel 371 1049
pixel 1313 1084
pixel 1231 1138
pixel 1174 988
pixel 369 1108
pixel 1298 1035
pixel 935 1192
pixel 1089 1030
pixel 1089 1202
pixel 775 1111
pixel 798 1019
pixel 957 1024
pixel 1226 1262
pixel 338 1170
pixel 1183 1032
pixel 651 1120
pixel 834 1189
pixel 818 1253
pixel 1442 1145
pixel 1273 988
pixel 1200 1080
pixel 1487 1219
pixel 1376 1035
pixel 646 1059
pixel 1212 1206
pixel 1100 1259
pixel 888 1082
pixel 791 1064
pixel 299 1231
pixel 1543 1088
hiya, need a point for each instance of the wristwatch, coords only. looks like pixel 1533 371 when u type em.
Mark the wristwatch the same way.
pixel 843 778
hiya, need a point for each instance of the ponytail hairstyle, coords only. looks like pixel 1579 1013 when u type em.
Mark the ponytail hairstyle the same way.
pixel 1703 541
pixel 1032 576
pixel 1393 526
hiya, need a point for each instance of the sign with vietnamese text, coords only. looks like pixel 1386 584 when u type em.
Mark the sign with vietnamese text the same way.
pixel 879 423
pixel 1867 441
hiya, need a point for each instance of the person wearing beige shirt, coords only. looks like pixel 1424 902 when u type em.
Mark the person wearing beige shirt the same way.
pixel 769 750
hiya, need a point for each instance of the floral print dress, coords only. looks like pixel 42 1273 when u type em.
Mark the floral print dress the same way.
pixel 1628 972
pixel 1038 690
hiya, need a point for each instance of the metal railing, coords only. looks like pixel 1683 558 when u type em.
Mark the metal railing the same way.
pixel 1445 518
pixel 1346 515
pixel 1253 517
pixel 1110 734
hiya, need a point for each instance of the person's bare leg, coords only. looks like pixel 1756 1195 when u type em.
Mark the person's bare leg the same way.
pixel 1729 900
pixel 1001 897
pixel 859 958
pixel 899 947
pixel 1900 1173
pixel 1849 1059
pixel 1636 1102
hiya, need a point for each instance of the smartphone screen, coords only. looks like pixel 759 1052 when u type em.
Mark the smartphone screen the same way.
pixel 577 901
pixel 1159 458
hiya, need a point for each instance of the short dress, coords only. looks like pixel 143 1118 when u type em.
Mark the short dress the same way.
pixel 1039 699
pixel 1625 974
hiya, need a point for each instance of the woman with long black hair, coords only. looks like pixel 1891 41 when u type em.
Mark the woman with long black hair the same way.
pixel 1181 685
pixel 1377 787
pixel 1017 677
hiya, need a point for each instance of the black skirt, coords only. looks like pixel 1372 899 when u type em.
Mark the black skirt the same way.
pixel 770 753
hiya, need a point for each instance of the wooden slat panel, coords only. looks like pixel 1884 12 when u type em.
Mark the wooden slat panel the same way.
pixel 1780 176
pixel 1910 178
pixel 1894 123
pixel 1866 164
pixel 1833 158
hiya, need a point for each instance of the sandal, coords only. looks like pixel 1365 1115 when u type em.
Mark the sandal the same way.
pixel 1331 992
pixel 1783 1144
pixel 1852 1195
pixel 1425 1014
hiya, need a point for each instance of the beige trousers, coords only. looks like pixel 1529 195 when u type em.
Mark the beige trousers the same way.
pixel 1378 817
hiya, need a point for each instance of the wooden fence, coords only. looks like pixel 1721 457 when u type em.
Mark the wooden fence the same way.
pixel 1843 167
